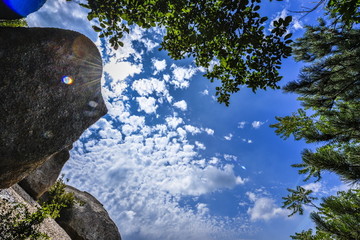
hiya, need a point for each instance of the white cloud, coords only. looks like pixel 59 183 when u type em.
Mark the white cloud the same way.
pixel 191 129
pixel 200 145
pixel 145 87
pixel 241 124
pixel 202 208
pixel 173 122
pixel 159 65
pixel 147 104
pixel 121 70
pixel 181 76
pixel 257 124
pixel 205 92
pixel 247 140
pixel 209 131
pixel 228 137
pixel 200 181
pixel 229 157
pixel 264 208
pixel 181 105
pixel 149 44
pixel 126 164
pixel 315 187
pixel 297 24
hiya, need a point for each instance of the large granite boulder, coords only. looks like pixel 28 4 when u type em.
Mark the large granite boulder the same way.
pixel 88 221
pixel 41 180
pixel 15 9
pixel 49 94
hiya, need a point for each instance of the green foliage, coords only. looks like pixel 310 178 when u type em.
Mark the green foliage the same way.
pixel 56 199
pixel 13 23
pixel 18 223
pixel 297 199
pixel 225 37
pixel 345 12
pixel 338 217
pixel 329 88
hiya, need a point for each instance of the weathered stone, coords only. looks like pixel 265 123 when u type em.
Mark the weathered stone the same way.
pixel 39 181
pixel 16 194
pixel 89 221
pixel 15 9
pixel 49 94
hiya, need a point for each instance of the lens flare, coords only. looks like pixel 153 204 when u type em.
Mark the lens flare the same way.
pixel 67 80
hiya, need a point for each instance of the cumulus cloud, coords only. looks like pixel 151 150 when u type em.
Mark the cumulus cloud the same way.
pixel 182 105
pixel 241 124
pixel 147 104
pixel 228 137
pixel 264 208
pixel 209 131
pixel 173 122
pixel 256 124
pixel 192 129
pixel 205 92
pixel 315 187
pixel 181 76
pixel 200 145
pixel 159 65
pixel 200 181
pixel 139 170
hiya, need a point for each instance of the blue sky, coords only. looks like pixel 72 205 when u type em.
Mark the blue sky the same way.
pixel 169 162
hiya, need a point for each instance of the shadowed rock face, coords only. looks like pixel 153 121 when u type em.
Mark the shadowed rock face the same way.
pixel 87 222
pixel 49 94
pixel 15 9
pixel 41 180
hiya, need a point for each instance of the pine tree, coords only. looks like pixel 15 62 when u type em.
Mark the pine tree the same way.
pixel 329 89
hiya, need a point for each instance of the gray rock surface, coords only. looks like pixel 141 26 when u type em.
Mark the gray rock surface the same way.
pixel 16 194
pixel 40 112
pixel 88 222
pixel 39 181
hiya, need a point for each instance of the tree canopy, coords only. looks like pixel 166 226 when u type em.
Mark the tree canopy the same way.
pixel 329 89
pixel 228 38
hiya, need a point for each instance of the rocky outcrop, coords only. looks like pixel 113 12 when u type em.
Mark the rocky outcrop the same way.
pixel 16 194
pixel 18 9
pixel 89 221
pixel 40 181
pixel 49 94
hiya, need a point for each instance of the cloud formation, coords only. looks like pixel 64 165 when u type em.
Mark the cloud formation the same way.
pixel 256 124
pixel 264 208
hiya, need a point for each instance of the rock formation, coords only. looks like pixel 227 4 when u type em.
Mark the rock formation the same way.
pixel 13 9
pixel 16 194
pixel 40 181
pixel 49 94
pixel 89 221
